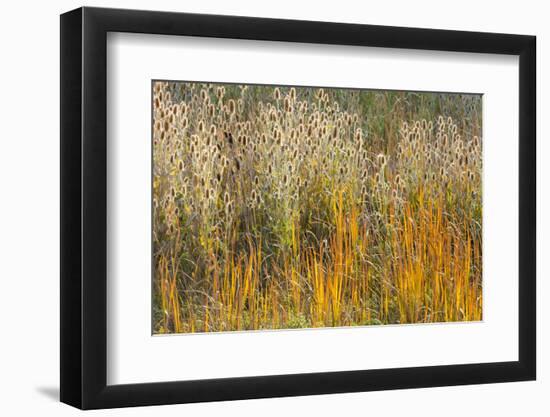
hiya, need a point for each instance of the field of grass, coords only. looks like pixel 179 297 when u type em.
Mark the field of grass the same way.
pixel 278 207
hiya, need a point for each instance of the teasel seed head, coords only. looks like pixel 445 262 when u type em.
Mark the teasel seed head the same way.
pixel 320 93
pixel 358 134
pixel 232 107
pixel 220 92
pixel 287 105
pixel 292 93
pixel 278 138
pixel 211 110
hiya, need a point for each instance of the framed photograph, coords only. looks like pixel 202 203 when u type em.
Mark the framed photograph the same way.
pixel 257 208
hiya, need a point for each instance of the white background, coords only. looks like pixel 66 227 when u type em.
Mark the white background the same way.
pixel 29 225
pixel 134 356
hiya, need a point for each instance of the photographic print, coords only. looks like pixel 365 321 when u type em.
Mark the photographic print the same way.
pixel 289 207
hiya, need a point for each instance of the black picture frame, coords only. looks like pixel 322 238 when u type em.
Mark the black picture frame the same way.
pixel 84 207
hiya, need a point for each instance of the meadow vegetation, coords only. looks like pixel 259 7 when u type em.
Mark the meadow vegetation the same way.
pixel 282 207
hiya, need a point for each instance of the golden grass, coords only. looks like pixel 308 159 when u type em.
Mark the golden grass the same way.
pixel 278 208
